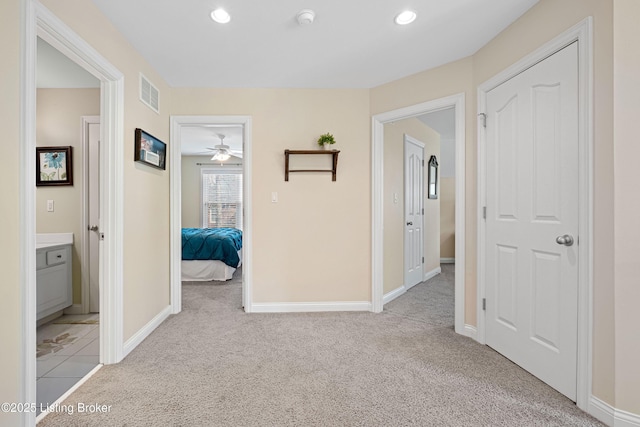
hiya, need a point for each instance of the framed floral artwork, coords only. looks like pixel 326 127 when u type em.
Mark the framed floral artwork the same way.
pixel 54 166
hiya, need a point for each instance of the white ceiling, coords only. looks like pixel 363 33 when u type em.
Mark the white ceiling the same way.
pixel 55 70
pixel 196 140
pixel 351 44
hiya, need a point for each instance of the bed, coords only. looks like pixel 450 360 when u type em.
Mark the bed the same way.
pixel 210 253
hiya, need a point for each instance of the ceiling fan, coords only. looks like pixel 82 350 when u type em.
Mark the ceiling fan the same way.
pixel 222 152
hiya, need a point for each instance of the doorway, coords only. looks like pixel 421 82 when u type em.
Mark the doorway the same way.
pixel 39 22
pixel 180 127
pixel 379 151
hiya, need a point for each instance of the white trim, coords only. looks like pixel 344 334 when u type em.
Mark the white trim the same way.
pixel 377 197
pixel 611 416
pixel 447 260
pixel 390 296
pixel 309 307
pixel 84 240
pixel 581 32
pixel 146 330
pixel 175 203
pixel 470 331
pixel 431 274
pixel 69 392
pixel 39 21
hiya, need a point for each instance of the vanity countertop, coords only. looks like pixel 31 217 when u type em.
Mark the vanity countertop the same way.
pixel 49 240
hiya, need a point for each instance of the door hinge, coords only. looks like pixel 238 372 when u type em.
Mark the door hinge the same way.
pixel 423 260
pixel 422 162
pixel 422 211
pixel 483 117
pixel 484 212
pixel 484 304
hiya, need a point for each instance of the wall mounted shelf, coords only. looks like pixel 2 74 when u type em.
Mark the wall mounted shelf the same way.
pixel 333 170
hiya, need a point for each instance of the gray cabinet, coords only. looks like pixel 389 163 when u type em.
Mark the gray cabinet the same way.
pixel 54 279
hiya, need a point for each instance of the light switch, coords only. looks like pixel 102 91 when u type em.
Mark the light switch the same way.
pixel 49 205
pixel 395 197
pixel 274 197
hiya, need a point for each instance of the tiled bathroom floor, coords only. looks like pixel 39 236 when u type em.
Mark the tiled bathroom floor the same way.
pixel 66 353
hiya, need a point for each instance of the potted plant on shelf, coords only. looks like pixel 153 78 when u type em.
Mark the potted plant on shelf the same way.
pixel 325 140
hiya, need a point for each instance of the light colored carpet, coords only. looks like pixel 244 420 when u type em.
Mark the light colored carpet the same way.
pixel 214 365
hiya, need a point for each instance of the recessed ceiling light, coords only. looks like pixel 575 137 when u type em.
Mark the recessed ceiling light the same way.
pixel 220 16
pixel 406 17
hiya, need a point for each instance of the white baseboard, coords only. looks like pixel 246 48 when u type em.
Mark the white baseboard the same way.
pixel 470 331
pixel 611 416
pixel 390 296
pixel 308 307
pixel 143 333
pixel 74 309
pixel 447 260
pixel 433 273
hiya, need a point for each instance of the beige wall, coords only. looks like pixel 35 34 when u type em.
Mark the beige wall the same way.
pixel 10 300
pixel 59 113
pixel 191 190
pixel 394 212
pixel 314 245
pixel 626 65
pixel 146 190
pixel 447 217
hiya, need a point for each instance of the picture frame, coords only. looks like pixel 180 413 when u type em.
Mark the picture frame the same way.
pixel 433 178
pixel 150 150
pixel 54 166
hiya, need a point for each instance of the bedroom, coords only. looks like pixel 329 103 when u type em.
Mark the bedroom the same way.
pixel 212 203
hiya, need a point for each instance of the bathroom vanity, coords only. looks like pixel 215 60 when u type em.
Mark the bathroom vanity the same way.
pixel 54 290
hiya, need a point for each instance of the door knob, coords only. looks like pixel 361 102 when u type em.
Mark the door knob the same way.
pixel 409 223
pixel 566 240
pixel 93 228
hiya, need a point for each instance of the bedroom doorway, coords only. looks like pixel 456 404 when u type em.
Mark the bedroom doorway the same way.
pixel 214 154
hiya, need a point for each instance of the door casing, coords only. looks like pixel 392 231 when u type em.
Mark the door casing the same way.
pixel 582 33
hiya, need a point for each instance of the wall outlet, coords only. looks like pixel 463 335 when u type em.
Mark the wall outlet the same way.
pixel 395 197
pixel 49 205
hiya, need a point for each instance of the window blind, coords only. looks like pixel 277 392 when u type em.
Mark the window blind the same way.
pixel 221 198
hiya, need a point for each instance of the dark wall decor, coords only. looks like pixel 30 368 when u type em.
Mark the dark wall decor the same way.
pixel 150 150
pixel 433 177
pixel 54 166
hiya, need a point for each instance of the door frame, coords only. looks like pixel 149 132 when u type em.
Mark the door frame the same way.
pixel 582 33
pixel 38 21
pixel 86 121
pixel 175 203
pixel 407 139
pixel 377 200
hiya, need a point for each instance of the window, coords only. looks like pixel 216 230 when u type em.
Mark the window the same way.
pixel 221 198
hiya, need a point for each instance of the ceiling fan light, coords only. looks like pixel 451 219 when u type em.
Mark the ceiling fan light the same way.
pixel 221 16
pixel 405 17
pixel 221 156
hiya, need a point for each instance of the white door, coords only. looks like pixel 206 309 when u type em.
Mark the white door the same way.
pixel 532 220
pixel 94 216
pixel 413 211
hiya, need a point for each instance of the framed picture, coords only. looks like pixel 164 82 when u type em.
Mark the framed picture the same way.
pixel 150 150
pixel 54 166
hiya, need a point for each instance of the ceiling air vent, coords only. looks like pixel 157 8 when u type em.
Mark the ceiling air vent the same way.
pixel 149 94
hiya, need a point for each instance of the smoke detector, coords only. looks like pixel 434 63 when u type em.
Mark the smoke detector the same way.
pixel 306 17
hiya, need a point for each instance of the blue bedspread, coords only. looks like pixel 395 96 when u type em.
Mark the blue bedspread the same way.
pixel 212 244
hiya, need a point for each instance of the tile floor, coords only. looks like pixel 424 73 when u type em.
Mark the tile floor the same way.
pixel 63 359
